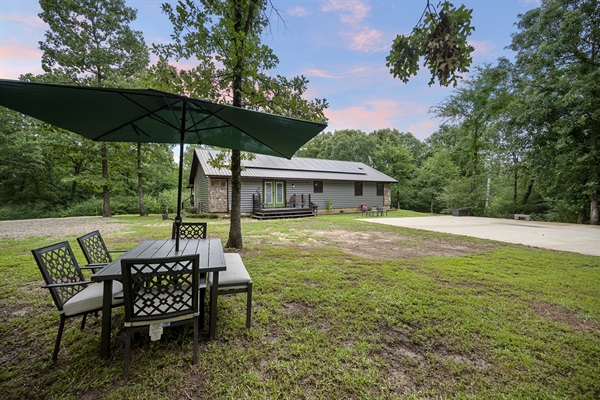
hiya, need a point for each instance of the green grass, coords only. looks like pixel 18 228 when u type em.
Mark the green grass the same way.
pixel 397 319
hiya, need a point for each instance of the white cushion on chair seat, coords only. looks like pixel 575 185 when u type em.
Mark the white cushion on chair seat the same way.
pixel 235 274
pixel 90 299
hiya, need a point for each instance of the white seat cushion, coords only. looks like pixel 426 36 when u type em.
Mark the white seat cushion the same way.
pixel 90 299
pixel 235 274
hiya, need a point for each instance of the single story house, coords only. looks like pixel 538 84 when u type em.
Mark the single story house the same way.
pixel 279 182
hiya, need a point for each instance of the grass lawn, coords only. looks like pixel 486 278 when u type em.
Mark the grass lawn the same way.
pixel 343 309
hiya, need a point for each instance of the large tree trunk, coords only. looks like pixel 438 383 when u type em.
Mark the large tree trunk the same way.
pixel 594 212
pixel 235 222
pixel 143 212
pixel 105 191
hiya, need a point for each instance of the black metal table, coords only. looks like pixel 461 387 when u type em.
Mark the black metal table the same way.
pixel 211 260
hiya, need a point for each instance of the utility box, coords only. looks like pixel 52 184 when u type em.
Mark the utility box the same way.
pixel 460 212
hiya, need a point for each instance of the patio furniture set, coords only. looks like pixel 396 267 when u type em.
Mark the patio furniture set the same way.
pixel 157 284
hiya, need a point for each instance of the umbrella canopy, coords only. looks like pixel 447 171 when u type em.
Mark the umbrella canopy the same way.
pixel 151 116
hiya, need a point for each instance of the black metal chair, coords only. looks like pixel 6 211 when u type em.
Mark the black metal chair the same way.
pixel 95 251
pixel 160 292
pixel 194 230
pixel 72 295
pixel 190 230
pixel 235 280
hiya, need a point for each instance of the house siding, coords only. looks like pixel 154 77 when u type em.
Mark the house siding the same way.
pixel 342 195
pixel 201 190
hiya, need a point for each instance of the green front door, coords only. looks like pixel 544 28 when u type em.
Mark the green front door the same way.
pixel 274 193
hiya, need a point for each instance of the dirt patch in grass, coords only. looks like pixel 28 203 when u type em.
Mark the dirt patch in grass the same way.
pixel 563 315
pixel 375 245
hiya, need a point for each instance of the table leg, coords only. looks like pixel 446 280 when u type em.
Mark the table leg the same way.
pixel 106 319
pixel 214 289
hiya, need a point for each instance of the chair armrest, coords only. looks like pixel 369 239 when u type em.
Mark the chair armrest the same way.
pixel 118 251
pixel 94 266
pixel 56 285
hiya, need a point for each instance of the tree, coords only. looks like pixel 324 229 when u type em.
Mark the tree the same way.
pixel 558 57
pixel 441 39
pixel 91 43
pixel 225 38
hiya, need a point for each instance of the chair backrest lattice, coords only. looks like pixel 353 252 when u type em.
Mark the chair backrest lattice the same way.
pixel 190 230
pixel 57 264
pixel 160 288
pixel 94 249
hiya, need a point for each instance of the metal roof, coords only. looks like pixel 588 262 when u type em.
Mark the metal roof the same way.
pixel 297 168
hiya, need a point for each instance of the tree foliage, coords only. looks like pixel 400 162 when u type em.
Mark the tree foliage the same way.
pixel 558 58
pixel 440 38
pixel 90 43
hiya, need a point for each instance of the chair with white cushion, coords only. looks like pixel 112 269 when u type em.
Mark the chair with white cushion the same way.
pixel 160 292
pixel 72 295
pixel 235 280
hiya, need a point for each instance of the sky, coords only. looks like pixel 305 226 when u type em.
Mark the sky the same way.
pixel 340 46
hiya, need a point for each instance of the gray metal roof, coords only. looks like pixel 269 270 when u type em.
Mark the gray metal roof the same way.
pixel 269 167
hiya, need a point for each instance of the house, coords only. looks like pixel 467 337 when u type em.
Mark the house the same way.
pixel 274 184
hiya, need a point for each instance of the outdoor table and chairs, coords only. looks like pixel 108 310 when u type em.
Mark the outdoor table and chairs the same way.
pixel 212 260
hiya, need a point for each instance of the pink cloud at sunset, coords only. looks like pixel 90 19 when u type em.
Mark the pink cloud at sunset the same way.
pixel 378 114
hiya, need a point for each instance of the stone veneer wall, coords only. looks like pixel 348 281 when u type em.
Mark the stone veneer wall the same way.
pixel 387 195
pixel 218 198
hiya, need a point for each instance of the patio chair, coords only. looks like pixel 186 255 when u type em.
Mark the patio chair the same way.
pixel 235 280
pixel 95 251
pixel 72 295
pixel 190 230
pixel 194 230
pixel 160 292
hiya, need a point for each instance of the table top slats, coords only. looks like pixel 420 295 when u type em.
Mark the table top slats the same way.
pixel 210 251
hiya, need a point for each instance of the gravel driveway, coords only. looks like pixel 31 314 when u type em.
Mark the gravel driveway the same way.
pixel 57 227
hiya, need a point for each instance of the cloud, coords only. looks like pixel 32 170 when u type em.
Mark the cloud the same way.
pixel 32 22
pixel 298 11
pixel 17 58
pixel 378 114
pixel 367 40
pixel 424 128
pixel 350 11
pixel 483 48
pixel 319 73
pixel 360 71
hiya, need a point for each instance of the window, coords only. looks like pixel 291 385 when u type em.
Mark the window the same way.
pixel 318 187
pixel 379 188
pixel 358 188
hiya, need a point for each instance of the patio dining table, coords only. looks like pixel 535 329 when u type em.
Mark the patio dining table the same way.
pixel 211 260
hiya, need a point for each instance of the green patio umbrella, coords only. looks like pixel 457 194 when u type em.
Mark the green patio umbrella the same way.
pixel 151 116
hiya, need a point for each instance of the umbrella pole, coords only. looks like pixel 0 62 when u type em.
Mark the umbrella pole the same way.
pixel 178 218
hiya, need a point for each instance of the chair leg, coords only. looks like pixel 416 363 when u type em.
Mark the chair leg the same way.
pixel 83 321
pixel 201 316
pixel 58 337
pixel 249 305
pixel 195 345
pixel 127 351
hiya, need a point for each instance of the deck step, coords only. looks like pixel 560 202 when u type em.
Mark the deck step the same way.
pixel 282 213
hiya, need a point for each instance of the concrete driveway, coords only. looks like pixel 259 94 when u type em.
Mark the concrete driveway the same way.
pixel 584 239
